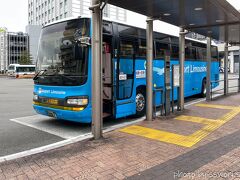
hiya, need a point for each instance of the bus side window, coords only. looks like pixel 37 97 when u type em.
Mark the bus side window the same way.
pixel 201 53
pixel 160 49
pixel 214 53
pixel 190 52
pixel 126 48
pixel 142 49
pixel 175 52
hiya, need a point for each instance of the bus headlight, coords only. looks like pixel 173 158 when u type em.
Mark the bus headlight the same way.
pixel 81 101
pixel 35 97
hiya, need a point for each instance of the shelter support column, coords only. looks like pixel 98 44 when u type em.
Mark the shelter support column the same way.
pixel 209 58
pixel 181 73
pixel 149 89
pixel 226 69
pixel 239 68
pixel 96 69
pixel 239 60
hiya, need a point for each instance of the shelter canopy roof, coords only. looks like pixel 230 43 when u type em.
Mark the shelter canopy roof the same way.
pixel 217 17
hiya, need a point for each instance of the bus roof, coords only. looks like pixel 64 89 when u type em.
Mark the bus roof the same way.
pixel 63 20
pixel 123 23
pixel 18 65
pixel 14 64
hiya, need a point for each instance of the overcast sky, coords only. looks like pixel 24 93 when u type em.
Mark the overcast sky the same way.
pixel 13 13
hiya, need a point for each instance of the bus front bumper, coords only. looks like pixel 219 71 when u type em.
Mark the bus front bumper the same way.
pixel 83 116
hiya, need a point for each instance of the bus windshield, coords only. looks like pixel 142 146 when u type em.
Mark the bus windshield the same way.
pixel 61 57
pixel 11 68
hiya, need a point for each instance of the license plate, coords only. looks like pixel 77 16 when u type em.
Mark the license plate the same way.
pixel 52 101
pixel 52 114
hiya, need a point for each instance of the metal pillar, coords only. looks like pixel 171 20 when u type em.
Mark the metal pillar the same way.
pixel 149 88
pixel 239 63
pixel 181 62
pixel 239 68
pixel 226 69
pixel 209 58
pixel 96 70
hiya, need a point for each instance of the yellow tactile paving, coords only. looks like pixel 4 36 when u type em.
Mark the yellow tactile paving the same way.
pixel 216 106
pixel 196 119
pixel 230 115
pixel 159 135
pixel 190 140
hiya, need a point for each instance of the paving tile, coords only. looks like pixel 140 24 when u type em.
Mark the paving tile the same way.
pixel 121 155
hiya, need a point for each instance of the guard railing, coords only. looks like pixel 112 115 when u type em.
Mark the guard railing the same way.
pixel 231 85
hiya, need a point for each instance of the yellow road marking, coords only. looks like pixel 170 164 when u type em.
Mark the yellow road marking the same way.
pixel 190 140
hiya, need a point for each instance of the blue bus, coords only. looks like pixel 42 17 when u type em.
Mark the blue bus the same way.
pixel 62 85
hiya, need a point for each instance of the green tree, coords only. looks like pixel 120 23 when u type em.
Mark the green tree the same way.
pixel 25 58
pixel 2 30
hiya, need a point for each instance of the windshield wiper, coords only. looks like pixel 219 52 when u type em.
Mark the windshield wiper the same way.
pixel 37 75
pixel 52 74
pixel 62 75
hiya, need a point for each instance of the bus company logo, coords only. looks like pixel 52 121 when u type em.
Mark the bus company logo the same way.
pixel 195 69
pixel 159 71
pixel 41 91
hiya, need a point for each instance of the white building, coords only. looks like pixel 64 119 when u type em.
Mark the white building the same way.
pixel 12 46
pixel 3 50
pixel 233 57
pixel 41 12
pixel 34 35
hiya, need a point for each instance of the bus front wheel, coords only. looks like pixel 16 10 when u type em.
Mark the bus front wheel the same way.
pixel 204 88
pixel 140 102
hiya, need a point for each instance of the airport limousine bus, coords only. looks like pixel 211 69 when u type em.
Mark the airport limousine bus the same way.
pixel 62 85
pixel 21 71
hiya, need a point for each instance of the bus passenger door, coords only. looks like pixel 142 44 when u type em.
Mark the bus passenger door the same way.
pixel 125 104
pixel 107 66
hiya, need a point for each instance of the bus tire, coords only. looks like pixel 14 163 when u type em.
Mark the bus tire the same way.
pixel 140 102
pixel 204 88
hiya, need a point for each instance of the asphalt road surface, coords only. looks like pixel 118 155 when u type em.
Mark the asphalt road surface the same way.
pixel 22 129
pixel 16 101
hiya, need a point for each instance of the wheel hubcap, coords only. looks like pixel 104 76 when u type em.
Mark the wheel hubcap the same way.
pixel 140 102
pixel 205 90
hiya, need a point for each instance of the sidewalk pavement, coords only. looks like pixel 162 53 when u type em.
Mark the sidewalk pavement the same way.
pixel 201 143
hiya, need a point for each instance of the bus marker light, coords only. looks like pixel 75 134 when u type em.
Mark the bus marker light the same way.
pixel 35 97
pixel 80 102
pixel 59 107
